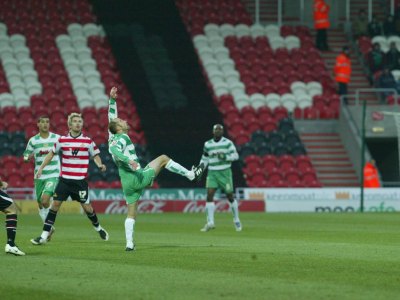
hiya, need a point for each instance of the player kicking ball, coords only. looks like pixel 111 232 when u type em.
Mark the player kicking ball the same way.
pixel 134 178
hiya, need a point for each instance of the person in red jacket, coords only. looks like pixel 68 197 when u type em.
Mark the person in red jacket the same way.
pixel 321 24
pixel 342 71
pixel 371 178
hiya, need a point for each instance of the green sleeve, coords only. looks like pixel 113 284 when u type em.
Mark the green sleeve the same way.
pixel 29 149
pixel 112 109
pixel 116 151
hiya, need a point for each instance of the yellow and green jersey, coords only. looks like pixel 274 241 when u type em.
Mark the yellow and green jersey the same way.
pixel 40 147
pixel 219 155
pixel 120 145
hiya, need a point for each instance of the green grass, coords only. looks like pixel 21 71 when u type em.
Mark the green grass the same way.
pixel 276 256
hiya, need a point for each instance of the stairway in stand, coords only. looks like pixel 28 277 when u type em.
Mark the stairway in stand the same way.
pixel 330 159
pixel 358 80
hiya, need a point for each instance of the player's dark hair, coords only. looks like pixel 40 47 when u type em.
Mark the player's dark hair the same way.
pixel 42 117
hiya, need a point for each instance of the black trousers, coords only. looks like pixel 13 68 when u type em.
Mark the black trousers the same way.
pixel 343 90
pixel 321 40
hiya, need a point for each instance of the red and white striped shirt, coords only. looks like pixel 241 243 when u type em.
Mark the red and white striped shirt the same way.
pixel 75 154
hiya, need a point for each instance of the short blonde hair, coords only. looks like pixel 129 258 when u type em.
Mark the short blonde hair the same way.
pixel 73 115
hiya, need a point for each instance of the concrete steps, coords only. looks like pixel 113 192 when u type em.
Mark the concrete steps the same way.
pixel 330 159
pixel 359 80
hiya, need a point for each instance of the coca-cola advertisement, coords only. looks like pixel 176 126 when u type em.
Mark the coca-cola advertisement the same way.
pixel 162 206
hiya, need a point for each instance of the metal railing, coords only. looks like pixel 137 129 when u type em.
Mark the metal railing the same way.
pixel 340 11
pixel 376 90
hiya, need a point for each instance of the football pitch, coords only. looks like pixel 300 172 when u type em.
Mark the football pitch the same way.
pixel 276 256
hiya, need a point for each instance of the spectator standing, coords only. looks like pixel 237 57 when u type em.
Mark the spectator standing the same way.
pixel 397 20
pixel 374 27
pixel 376 59
pixel 360 24
pixel 389 26
pixel 392 57
pixel 342 71
pixel 321 24
pixel 371 178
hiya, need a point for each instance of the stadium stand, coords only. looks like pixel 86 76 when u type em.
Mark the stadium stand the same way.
pixel 56 60
pixel 252 91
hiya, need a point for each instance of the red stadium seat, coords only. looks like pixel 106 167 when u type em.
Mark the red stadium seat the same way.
pixel 269 162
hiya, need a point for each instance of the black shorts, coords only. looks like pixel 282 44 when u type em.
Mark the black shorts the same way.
pixel 5 200
pixel 77 189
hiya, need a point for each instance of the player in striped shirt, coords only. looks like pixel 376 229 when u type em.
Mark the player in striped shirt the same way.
pixel 8 207
pixel 134 178
pixel 75 149
pixel 218 155
pixel 38 147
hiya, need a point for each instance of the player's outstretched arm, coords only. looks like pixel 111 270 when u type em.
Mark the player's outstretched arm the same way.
pixel 112 104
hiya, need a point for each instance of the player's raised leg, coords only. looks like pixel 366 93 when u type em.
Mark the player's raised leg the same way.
pixel 163 161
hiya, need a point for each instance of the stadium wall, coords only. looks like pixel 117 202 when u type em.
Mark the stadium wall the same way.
pixel 250 200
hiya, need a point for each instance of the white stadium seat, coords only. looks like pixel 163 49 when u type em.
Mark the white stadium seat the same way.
pixel 303 101
pixel 276 42
pixel 75 29
pixel 241 101
pixel 258 100
pixel 63 40
pixel 200 41
pixel 227 30
pixel 272 30
pixel 17 40
pixel 211 30
pixel 242 30
pixel 257 30
pixel 216 42
pixel 21 52
pixel 273 100
pixel 289 101
pixel 91 29
pixel 6 99
pixel 22 102
pixel 292 42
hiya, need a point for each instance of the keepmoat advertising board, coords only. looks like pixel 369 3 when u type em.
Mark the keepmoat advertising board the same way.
pixel 111 201
pixel 166 200
pixel 326 199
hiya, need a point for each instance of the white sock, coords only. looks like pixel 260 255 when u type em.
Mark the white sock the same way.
pixel 174 167
pixel 43 213
pixel 210 207
pixel 235 210
pixel 44 235
pixel 129 229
